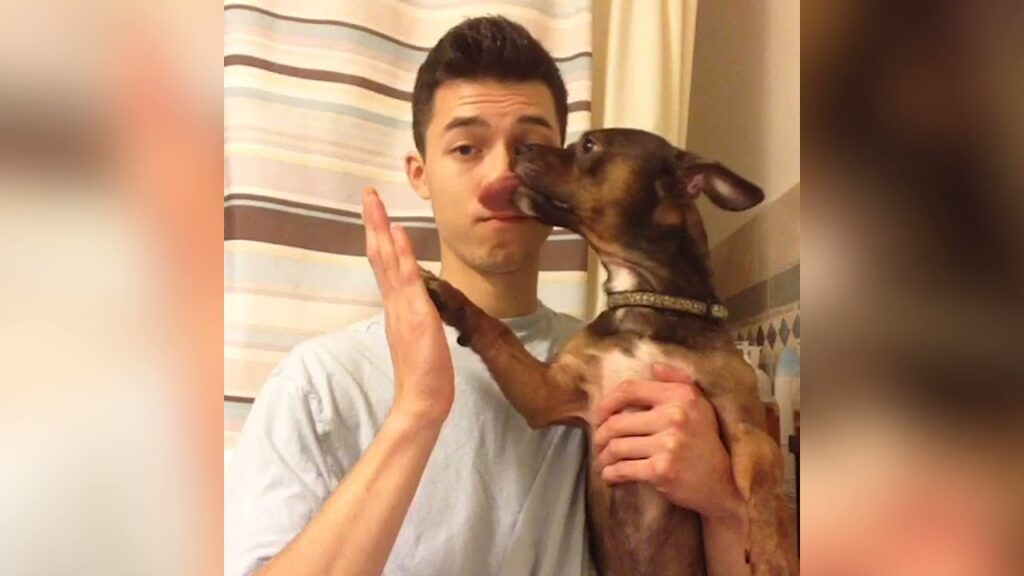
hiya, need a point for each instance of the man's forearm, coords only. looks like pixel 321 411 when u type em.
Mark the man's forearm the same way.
pixel 354 531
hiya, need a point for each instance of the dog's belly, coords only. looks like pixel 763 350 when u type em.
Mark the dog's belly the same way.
pixel 636 530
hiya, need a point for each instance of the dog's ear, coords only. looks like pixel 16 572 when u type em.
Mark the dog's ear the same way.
pixel 722 186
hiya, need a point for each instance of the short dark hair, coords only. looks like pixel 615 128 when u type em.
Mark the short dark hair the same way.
pixel 484 48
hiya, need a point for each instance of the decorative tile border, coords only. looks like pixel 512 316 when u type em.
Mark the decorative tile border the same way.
pixel 772 330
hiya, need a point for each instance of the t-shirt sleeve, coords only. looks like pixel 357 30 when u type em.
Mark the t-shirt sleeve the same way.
pixel 278 477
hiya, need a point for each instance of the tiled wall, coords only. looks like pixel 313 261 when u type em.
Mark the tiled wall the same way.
pixel 777 325
pixel 757 272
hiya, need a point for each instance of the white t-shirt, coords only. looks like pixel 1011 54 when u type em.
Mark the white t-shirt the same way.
pixel 497 498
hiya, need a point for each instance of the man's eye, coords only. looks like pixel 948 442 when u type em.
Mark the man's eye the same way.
pixel 465 150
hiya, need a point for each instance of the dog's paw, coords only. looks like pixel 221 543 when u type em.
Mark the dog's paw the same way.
pixel 450 303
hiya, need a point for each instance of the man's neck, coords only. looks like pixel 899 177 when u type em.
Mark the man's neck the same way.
pixel 506 295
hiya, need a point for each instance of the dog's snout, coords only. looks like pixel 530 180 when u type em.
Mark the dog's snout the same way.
pixel 523 149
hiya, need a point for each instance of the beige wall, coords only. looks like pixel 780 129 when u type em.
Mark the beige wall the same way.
pixel 745 97
pixel 762 247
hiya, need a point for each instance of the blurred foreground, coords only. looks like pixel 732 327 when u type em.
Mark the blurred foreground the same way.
pixel 913 251
pixel 110 288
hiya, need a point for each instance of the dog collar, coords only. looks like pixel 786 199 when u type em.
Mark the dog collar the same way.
pixel 655 300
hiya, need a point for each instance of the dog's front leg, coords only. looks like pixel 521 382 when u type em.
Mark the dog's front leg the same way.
pixel 544 394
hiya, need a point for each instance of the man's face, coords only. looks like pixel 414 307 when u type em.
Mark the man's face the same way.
pixel 470 143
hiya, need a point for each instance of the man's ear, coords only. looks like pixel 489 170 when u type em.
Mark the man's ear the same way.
pixel 722 186
pixel 416 172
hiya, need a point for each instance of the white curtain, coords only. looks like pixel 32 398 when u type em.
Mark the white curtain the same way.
pixel 643 62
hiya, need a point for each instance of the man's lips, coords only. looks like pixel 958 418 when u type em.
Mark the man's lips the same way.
pixel 506 216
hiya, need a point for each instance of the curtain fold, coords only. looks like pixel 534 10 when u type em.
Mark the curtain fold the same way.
pixel 643 64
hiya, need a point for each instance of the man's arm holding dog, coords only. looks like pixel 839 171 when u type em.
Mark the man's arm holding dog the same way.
pixel 680 453
pixel 375 495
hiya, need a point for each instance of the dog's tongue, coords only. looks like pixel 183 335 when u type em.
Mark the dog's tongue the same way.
pixel 496 196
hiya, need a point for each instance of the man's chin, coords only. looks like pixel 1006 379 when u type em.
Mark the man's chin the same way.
pixel 501 252
pixel 502 258
pixel 498 262
pixel 513 226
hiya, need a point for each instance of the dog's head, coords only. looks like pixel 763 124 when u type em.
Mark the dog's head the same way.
pixel 628 192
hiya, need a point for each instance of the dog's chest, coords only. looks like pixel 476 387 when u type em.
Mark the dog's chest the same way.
pixel 621 364
pixel 647 506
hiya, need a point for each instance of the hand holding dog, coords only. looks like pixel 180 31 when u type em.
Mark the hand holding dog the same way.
pixel 664 432
pixel 424 375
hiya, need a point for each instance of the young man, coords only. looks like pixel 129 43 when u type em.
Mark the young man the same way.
pixel 387 448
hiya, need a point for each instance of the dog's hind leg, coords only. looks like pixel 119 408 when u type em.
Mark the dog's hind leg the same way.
pixel 758 471
pixel 544 394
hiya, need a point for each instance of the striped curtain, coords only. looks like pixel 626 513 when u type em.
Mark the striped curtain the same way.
pixel 317 106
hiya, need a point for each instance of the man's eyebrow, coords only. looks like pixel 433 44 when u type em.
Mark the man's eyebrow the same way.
pixel 535 121
pixel 466 122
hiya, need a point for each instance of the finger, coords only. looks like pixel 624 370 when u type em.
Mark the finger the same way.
pixel 667 373
pixel 630 448
pixel 408 267
pixel 372 250
pixel 635 393
pixel 376 218
pixel 627 424
pixel 629 471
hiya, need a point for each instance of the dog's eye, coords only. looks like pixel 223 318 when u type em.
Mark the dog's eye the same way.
pixel 588 145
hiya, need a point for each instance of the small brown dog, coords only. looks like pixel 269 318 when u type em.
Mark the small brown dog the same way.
pixel 632 195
